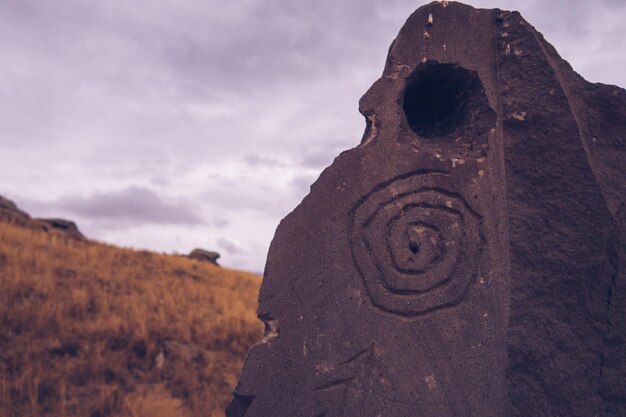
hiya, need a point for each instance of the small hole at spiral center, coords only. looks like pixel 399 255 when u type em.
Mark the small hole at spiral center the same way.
pixel 414 248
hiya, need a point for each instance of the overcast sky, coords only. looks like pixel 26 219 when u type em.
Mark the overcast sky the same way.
pixel 170 125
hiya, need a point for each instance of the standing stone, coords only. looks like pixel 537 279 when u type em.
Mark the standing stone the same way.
pixel 467 259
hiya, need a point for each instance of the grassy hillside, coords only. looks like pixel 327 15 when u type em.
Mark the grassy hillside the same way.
pixel 93 330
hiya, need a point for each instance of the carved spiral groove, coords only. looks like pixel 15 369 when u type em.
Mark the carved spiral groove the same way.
pixel 414 241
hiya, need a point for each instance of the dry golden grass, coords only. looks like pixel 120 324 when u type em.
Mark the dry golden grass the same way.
pixel 92 330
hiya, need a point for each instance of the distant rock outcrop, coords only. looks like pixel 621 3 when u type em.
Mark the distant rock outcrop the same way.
pixel 66 226
pixel 204 255
pixel 10 213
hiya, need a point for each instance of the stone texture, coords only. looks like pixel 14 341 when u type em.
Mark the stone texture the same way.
pixel 468 257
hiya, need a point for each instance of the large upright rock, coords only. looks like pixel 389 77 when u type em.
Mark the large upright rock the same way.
pixel 468 257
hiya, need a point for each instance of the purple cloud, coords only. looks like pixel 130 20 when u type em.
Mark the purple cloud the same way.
pixel 136 204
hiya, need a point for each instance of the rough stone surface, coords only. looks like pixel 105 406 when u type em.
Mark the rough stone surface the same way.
pixel 204 255
pixel 468 257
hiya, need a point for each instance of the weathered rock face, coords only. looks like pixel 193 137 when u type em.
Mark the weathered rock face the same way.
pixel 468 257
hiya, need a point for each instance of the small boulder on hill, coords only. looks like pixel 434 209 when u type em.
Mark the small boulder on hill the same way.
pixel 204 255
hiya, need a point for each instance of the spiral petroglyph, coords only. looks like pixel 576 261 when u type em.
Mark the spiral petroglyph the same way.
pixel 412 240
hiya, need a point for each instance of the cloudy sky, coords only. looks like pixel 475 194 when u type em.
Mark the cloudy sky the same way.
pixel 170 125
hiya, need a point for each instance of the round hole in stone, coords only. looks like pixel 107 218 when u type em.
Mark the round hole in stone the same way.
pixel 440 99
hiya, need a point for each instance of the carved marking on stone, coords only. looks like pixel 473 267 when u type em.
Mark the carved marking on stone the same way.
pixel 431 382
pixel 413 239
pixel 519 115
